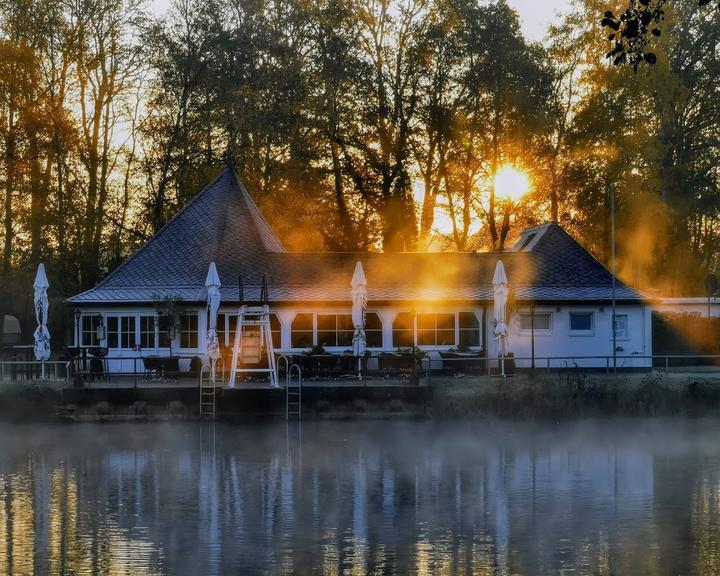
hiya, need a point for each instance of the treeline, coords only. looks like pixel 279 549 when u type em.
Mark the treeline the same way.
pixel 356 125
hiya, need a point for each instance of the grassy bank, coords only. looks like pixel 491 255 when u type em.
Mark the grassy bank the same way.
pixel 570 395
pixel 28 401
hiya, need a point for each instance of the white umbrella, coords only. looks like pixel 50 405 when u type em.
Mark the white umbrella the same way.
pixel 359 300
pixel 500 296
pixel 212 283
pixel 42 335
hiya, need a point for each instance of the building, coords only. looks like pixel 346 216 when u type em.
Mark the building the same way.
pixel 437 300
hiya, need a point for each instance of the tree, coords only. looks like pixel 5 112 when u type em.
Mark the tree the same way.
pixel 631 31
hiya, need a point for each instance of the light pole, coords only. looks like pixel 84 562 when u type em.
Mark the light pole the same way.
pixel 612 268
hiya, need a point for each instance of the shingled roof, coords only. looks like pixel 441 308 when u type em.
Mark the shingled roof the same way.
pixel 222 224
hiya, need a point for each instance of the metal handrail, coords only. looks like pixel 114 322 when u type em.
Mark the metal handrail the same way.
pixel 610 360
pixel 47 370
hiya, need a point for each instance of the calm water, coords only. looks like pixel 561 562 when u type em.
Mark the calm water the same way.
pixel 599 498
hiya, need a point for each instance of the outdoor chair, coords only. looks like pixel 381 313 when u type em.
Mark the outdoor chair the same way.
pixel 98 363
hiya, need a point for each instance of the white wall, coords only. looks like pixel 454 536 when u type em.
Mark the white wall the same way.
pixel 560 341
pixel 697 306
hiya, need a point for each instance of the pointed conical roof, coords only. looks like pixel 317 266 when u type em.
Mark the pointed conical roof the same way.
pixel 221 224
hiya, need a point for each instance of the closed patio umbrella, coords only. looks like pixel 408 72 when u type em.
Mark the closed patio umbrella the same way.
pixel 42 335
pixel 500 297
pixel 212 284
pixel 359 300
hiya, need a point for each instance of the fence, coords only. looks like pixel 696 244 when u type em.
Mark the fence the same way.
pixel 32 370
pixel 138 370
pixel 484 365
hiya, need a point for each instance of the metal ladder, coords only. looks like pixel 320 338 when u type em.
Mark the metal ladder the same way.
pixel 207 394
pixel 253 316
pixel 293 394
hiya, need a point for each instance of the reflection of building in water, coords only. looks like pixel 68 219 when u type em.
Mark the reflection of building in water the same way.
pixel 360 502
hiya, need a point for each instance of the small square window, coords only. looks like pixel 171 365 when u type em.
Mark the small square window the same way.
pixel 581 322
pixel 621 327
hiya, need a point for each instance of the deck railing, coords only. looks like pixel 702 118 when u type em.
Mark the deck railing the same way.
pixel 36 371
pixel 70 373
pixel 607 363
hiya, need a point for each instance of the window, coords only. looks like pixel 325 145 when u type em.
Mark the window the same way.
pixel 121 332
pixel 530 238
pixel 188 331
pixel 164 325
pixel 335 329
pixel 275 331
pixel 127 332
pixel 373 330
pixel 543 322
pixel 301 332
pixel 112 332
pixel 621 327
pixel 89 330
pixel 403 330
pixel 227 323
pixel 581 322
pixel 436 329
pixel 469 329
pixel 147 331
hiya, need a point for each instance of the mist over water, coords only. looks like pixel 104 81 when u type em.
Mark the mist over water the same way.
pixel 597 498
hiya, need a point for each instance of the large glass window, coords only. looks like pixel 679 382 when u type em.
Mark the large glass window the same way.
pixel 113 331
pixel 89 330
pixel 227 323
pixel 301 333
pixel 403 330
pixel 373 330
pixel 163 332
pixel 127 332
pixel 147 331
pixel 121 332
pixel 436 329
pixel 469 328
pixel 335 329
pixel 275 331
pixel 581 322
pixel 188 331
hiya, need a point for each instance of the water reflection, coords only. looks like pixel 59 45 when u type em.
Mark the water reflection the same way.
pixel 600 498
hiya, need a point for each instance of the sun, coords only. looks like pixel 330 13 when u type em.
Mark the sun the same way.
pixel 511 183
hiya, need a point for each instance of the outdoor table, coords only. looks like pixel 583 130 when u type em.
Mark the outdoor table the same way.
pixel 161 366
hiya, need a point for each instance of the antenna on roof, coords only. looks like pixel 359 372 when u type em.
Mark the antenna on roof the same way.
pixel 264 297
pixel 241 291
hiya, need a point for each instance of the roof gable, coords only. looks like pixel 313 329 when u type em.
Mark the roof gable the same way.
pixel 221 224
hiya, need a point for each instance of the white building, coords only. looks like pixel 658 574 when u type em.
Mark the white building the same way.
pixel 438 301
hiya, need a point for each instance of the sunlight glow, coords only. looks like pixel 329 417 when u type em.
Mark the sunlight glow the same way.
pixel 511 183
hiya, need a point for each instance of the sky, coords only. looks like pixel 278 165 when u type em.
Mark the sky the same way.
pixel 535 15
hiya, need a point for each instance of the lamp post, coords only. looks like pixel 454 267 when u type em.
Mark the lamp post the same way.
pixel 77 328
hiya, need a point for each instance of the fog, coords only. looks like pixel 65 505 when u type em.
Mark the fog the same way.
pixel 604 497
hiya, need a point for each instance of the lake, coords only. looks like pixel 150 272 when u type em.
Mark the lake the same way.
pixel 604 497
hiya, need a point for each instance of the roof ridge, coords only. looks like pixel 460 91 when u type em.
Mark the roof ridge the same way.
pixel 584 251
pixel 262 228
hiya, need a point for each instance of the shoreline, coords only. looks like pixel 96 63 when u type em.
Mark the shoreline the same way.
pixel 523 396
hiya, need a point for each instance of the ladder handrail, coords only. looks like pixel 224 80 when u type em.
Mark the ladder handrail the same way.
pixel 297 393
pixel 206 371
